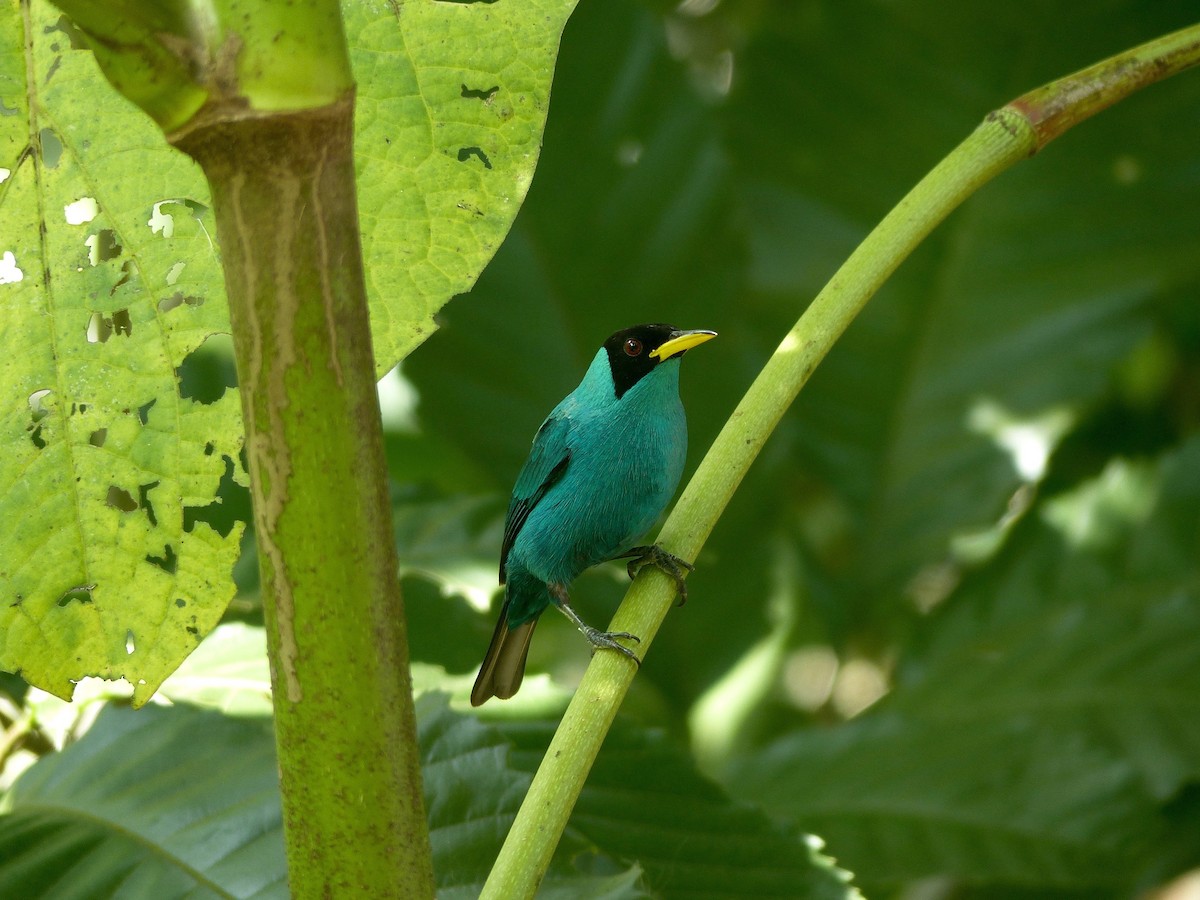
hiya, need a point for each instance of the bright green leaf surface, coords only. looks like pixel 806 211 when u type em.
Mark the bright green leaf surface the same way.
pixel 451 105
pixel 104 568
pixel 110 279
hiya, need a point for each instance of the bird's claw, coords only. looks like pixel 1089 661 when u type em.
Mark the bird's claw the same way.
pixel 600 640
pixel 607 640
pixel 667 563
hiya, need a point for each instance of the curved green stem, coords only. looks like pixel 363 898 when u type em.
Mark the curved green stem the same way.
pixel 1006 136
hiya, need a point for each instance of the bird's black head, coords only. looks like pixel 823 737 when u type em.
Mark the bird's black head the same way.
pixel 634 352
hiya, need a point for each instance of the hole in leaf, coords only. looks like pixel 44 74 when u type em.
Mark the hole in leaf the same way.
pixel 53 67
pixel 102 246
pixel 37 409
pixel 209 448
pixel 175 271
pixel 144 411
pixel 168 562
pixel 38 440
pixel 129 645
pixel 163 222
pixel 119 498
pixel 81 211
pixel 122 323
pixel 144 502
pixel 231 505
pixel 52 147
pixel 101 327
pixel 6 110
pixel 178 299
pixel 10 272
pixel 484 95
pixel 98 437
pixel 180 602
pixel 466 153
pixel 79 594
pixel 208 371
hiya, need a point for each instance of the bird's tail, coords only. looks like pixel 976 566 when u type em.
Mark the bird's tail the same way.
pixel 504 665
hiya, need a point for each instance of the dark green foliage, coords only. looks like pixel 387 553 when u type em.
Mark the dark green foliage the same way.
pixel 985 488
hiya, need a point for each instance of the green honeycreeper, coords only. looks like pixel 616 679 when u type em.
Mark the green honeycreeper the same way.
pixel 602 468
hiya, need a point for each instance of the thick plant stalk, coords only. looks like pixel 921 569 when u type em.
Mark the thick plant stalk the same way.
pixel 261 96
pixel 1005 137
pixel 283 192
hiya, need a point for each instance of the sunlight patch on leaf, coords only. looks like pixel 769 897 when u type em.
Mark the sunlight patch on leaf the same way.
pixel 228 672
pixel 1028 441
pixel 1100 512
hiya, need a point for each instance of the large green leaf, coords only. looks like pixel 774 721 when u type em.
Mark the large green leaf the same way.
pixel 451 104
pixel 899 798
pixel 1021 303
pixel 80 822
pixel 1053 712
pixel 110 282
pixel 183 802
pixel 108 567
pixel 158 803
pixel 644 801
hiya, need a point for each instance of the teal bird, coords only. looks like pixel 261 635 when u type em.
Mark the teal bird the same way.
pixel 602 468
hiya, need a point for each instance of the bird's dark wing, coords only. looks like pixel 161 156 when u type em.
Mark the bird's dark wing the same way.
pixel 548 460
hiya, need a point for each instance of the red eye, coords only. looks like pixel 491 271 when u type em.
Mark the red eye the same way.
pixel 633 347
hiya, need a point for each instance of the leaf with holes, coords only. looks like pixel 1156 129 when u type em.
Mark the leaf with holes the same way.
pixel 110 563
pixel 107 563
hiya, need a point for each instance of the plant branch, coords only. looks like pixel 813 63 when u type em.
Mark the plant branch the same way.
pixel 1005 137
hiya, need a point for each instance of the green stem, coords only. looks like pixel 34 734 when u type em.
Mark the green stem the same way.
pixel 1005 137
pixel 261 95
pixel 283 193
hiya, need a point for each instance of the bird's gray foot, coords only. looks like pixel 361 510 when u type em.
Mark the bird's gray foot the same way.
pixel 600 640
pixel 668 563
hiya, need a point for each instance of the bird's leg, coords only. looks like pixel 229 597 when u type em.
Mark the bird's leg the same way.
pixel 668 563
pixel 598 639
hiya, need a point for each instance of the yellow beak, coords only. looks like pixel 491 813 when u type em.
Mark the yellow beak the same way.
pixel 680 341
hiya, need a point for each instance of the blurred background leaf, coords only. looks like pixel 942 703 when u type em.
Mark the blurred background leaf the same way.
pixel 182 816
pixel 949 518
